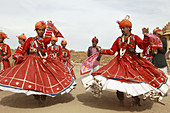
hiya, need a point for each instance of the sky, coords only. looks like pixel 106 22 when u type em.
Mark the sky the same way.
pixel 80 20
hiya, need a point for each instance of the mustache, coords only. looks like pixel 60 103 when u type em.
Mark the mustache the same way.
pixel 123 31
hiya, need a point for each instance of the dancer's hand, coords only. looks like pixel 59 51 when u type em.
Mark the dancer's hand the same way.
pixel 50 24
pixel 98 49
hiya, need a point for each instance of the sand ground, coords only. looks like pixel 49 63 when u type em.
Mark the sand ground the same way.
pixel 78 101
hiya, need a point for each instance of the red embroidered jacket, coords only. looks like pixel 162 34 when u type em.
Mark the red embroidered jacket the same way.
pixel 65 54
pixel 5 53
pixel 55 51
pixel 134 40
pixel 42 43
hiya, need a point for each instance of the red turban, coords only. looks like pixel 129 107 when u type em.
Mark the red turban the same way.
pixel 22 37
pixel 3 35
pixel 54 38
pixel 64 42
pixel 40 24
pixel 125 22
pixel 95 39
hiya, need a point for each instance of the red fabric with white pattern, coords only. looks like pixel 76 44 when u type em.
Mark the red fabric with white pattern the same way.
pixel 33 74
pixel 131 68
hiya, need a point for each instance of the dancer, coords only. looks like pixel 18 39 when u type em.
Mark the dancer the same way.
pixel 127 72
pixel 17 56
pixel 55 50
pixel 66 57
pixel 5 52
pixel 159 59
pixel 38 74
pixel 91 51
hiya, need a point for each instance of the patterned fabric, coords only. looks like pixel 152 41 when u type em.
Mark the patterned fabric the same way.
pixel 37 74
pixel 131 68
pixel 66 60
pixel 5 52
pixel 30 43
pixel 55 51
pixel 94 50
pixel 134 40
pixel 90 50
pixel 48 77
pixel 56 32
pixel 65 53
pixel 154 41
pixel 88 64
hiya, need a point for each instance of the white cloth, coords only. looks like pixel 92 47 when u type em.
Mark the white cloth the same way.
pixel 30 92
pixel 165 71
pixel 95 85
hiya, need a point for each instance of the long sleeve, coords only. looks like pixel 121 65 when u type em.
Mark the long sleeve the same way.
pixel 164 49
pixel 142 43
pixel 8 52
pixel 47 37
pixel 60 52
pixel 19 50
pixel 26 46
pixel 112 50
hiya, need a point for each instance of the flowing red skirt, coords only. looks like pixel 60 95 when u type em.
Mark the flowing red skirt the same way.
pixel 34 74
pixel 131 68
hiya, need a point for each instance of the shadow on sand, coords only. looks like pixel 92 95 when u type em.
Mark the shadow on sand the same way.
pixel 110 101
pixel 23 101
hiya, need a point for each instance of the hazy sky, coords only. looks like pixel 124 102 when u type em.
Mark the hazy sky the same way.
pixel 80 20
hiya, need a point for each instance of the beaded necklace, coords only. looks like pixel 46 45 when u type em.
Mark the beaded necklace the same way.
pixel 123 45
pixel 36 44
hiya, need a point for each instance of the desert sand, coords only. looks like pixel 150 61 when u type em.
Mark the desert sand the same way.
pixel 78 101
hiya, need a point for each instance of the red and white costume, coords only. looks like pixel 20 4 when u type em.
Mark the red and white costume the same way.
pixel 66 55
pixel 55 51
pixel 38 73
pixel 18 56
pixel 127 72
pixel 5 52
